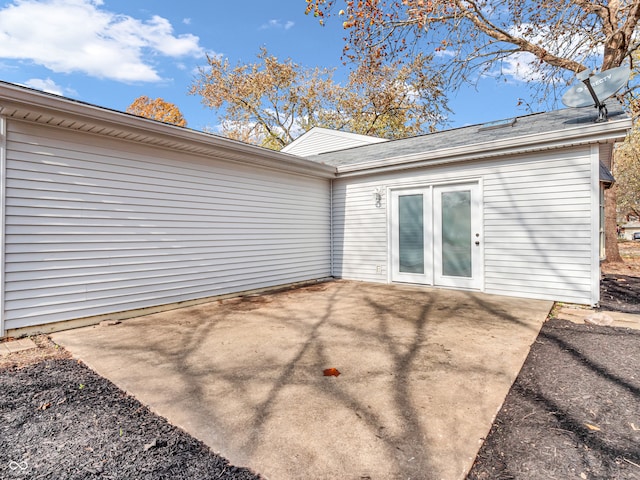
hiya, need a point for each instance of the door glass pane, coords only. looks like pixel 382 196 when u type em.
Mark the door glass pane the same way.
pixel 411 234
pixel 456 234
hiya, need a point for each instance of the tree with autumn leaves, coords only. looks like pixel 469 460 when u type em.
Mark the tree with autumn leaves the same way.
pixel 157 109
pixel 546 42
pixel 627 174
pixel 551 40
pixel 271 102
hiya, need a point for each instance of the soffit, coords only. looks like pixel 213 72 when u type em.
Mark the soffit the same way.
pixel 30 106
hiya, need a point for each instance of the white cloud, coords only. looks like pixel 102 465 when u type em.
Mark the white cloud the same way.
pixel 277 24
pixel 46 85
pixel 77 36
pixel 525 67
pixel 186 21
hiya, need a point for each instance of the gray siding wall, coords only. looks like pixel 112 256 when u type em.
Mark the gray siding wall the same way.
pixel 537 223
pixel 96 226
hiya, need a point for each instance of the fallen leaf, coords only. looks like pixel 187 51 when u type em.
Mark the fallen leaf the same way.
pixel 152 444
pixel 44 406
pixel 331 372
pixel 592 427
pixel 583 475
pixel 634 427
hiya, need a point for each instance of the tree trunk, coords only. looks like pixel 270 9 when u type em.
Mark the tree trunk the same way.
pixel 614 54
pixel 611 251
pixel 610 226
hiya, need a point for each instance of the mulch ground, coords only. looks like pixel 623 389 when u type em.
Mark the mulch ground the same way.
pixel 573 413
pixel 574 410
pixel 59 419
pixel 620 293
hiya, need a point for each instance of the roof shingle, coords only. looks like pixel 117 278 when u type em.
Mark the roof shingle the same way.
pixel 464 136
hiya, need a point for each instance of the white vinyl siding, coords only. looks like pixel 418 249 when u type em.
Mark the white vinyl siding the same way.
pixel 320 140
pixel 96 226
pixel 359 231
pixel 537 223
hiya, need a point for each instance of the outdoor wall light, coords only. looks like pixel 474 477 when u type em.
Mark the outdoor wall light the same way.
pixel 377 196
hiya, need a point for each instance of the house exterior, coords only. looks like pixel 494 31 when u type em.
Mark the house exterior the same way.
pixel 104 213
pixel 627 230
pixel 107 215
pixel 510 208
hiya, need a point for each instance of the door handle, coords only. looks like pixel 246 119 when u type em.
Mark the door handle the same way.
pixel 477 242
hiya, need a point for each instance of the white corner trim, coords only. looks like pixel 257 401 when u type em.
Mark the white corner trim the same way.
pixel 3 181
pixel 331 227
pixel 594 155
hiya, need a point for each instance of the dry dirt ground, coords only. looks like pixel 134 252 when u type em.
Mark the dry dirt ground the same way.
pixel 630 252
pixel 573 412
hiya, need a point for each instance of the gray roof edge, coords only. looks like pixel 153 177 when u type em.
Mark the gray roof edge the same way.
pixel 611 131
pixel 605 175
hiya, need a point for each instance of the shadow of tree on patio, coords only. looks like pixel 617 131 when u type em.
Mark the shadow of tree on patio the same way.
pixel 419 366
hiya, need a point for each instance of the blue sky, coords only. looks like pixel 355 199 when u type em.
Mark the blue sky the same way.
pixel 109 52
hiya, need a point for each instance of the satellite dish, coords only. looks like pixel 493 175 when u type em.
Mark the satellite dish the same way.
pixel 595 89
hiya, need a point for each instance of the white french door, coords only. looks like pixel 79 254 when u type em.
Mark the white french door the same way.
pixel 411 238
pixel 457 245
pixel 435 236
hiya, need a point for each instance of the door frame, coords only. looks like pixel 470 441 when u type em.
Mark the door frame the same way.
pixel 392 192
pixel 425 278
pixel 476 281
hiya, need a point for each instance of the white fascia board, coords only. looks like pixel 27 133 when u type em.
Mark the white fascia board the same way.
pixel 13 96
pixel 609 132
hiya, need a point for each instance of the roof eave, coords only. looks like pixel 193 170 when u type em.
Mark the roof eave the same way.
pixel 610 132
pixel 39 103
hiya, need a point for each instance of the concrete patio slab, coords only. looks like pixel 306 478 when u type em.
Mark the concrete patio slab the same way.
pixel 18 345
pixel 620 319
pixel 423 373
